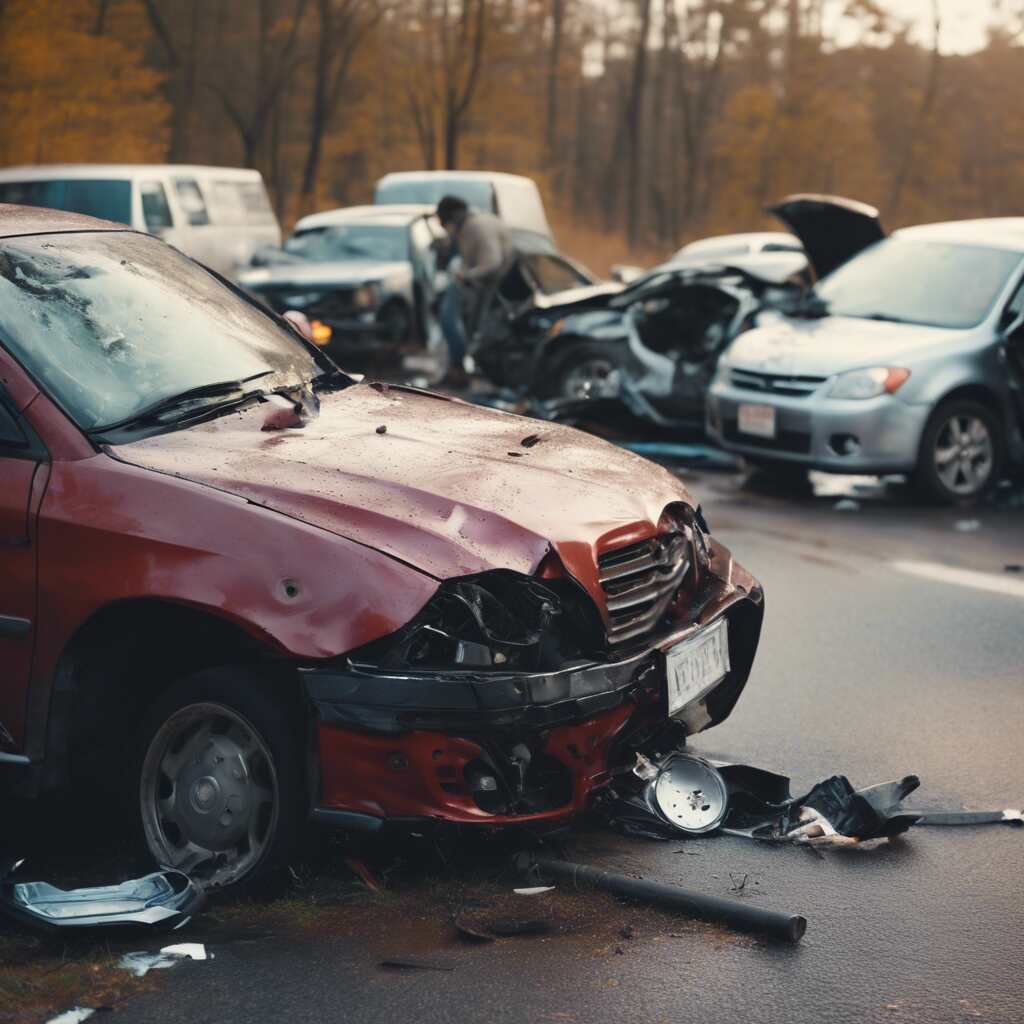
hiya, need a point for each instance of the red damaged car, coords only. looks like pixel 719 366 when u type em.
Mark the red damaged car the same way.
pixel 247 589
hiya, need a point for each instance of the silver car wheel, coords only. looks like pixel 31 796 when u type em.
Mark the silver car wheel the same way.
pixel 592 378
pixel 964 454
pixel 209 794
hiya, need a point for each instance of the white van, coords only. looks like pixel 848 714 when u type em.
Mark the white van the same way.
pixel 217 215
pixel 512 197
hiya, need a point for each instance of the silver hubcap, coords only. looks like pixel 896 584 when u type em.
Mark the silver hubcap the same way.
pixel 963 455
pixel 209 794
pixel 593 378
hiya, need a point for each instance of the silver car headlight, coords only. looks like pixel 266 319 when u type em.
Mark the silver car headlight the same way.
pixel 869 383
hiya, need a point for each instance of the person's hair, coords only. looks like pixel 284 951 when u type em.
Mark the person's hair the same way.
pixel 450 208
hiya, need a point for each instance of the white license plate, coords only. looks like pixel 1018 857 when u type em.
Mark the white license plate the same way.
pixel 758 420
pixel 694 666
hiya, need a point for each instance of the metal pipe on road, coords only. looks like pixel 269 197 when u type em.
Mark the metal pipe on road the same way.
pixel 774 923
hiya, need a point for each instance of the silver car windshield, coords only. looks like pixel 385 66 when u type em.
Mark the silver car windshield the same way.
pixel 939 284
pixel 388 243
pixel 112 323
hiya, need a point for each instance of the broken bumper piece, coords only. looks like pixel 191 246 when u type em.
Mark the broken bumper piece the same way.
pixel 506 748
pixel 164 899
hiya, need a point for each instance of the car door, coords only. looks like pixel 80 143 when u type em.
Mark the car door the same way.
pixel 22 473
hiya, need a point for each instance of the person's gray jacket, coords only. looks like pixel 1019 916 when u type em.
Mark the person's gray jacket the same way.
pixel 485 246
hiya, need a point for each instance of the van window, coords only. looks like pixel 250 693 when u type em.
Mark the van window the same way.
pixel 155 211
pixel 109 200
pixel 256 202
pixel 430 191
pixel 227 203
pixel 191 199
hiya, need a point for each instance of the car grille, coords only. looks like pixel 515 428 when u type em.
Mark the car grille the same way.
pixel 640 581
pixel 795 441
pixel 329 306
pixel 775 383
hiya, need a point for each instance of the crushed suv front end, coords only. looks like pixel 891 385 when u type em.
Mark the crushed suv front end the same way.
pixel 510 700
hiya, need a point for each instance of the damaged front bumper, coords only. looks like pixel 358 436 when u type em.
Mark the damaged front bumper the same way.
pixel 511 748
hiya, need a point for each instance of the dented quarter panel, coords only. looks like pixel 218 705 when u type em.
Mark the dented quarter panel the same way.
pixel 448 488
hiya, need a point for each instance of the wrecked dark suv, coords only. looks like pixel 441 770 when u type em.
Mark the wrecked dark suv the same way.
pixel 244 589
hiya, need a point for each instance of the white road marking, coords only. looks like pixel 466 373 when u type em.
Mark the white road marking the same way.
pixel 963 577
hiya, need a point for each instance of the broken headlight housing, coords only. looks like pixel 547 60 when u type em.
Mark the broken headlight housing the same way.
pixel 494 621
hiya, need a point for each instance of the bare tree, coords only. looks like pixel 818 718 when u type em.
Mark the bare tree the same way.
pixel 923 114
pixel 343 26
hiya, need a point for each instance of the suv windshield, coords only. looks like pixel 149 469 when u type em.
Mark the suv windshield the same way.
pixel 940 284
pixel 386 242
pixel 112 323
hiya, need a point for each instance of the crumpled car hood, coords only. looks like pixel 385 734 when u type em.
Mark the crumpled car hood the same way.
pixel 820 348
pixel 448 488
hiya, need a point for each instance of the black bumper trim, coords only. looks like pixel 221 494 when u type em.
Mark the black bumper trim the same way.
pixel 392 703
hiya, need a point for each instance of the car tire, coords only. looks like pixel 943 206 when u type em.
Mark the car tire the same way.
pixel 961 453
pixel 395 323
pixel 218 785
pixel 567 373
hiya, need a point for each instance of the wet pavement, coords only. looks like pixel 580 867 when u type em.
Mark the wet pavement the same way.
pixel 893 643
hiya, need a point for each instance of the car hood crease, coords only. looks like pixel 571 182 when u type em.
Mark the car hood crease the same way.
pixel 446 487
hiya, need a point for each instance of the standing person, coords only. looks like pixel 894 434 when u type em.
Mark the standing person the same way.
pixel 485 246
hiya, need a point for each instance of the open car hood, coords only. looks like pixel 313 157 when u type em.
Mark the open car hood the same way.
pixel 448 488
pixel 831 228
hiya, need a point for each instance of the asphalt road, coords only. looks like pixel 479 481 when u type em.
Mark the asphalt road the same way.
pixel 866 668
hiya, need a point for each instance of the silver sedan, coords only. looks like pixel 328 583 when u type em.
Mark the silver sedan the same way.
pixel 905 359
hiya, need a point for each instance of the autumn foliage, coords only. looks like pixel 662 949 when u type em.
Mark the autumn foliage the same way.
pixel 647 122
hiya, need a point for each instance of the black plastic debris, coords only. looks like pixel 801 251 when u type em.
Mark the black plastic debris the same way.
pixel 742 916
pixel 164 899
pixel 687 795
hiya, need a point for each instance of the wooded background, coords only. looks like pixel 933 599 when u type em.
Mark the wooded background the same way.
pixel 646 122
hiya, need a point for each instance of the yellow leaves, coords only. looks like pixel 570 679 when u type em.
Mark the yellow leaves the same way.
pixel 72 96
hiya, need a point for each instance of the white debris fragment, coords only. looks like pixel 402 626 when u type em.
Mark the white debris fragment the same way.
pixel 534 890
pixel 1010 814
pixel 847 505
pixel 141 962
pixel 75 1016
pixel 967 525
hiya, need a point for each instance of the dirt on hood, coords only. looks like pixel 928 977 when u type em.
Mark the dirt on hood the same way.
pixel 448 488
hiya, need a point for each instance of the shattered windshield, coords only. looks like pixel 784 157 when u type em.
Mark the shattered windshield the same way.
pixel 385 242
pixel 113 323
pixel 939 284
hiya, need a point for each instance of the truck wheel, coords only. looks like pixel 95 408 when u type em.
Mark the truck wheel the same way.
pixel 219 782
pixel 586 369
pixel 961 453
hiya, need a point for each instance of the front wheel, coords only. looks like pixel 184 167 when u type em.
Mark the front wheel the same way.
pixel 961 453
pixel 587 369
pixel 220 794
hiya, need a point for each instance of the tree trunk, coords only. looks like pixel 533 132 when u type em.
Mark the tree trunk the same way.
pixel 634 124
pixel 923 114
pixel 554 60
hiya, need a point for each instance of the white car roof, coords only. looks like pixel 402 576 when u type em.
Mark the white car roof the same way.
pixel 453 175
pixel 399 213
pixel 995 232
pixel 751 241
pixel 42 172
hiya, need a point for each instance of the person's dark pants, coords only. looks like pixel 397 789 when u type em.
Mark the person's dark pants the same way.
pixel 452 324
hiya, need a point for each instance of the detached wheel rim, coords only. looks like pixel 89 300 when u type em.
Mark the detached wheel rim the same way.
pixel 591 378
pixel 209 794
pixel 964 454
